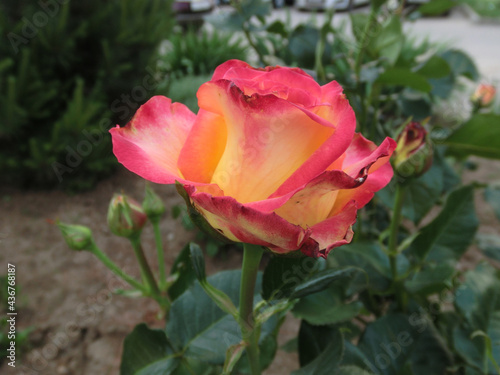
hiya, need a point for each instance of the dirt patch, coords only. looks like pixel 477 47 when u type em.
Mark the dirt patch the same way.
pixel 79 325
pixel 66 296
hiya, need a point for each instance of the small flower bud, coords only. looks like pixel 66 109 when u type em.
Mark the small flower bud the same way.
pixel 126 217
pixel 77 237
pixel 484 95
pixel 413 154
pixel 153 205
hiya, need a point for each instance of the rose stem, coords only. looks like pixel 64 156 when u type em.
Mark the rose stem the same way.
pixel 252 255
pixel 146 273
pixel 161 258
pixel 115 269
pixel 393 241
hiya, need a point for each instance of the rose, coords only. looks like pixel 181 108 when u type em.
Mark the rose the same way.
pixel 270 159
pixel 126 217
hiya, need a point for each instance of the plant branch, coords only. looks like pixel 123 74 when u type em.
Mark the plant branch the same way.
pixel 252 255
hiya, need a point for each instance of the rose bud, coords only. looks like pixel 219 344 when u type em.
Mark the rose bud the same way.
pixel 153 205
pixel 484 95
pixel 77 237
pixel 413 154
pixel 270 159
pixel 126 218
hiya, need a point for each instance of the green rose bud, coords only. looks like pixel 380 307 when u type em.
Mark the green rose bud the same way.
pixel 126 218
pixel 413 154
pixel 77 237
pixel 153 205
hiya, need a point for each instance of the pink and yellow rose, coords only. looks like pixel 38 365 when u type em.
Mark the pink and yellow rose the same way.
pixel 271 158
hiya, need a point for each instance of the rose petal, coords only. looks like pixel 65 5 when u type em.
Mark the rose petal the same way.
pixel 243 224
pixel 364 156
pixel 267 140
pixel 362 152
pixel 151 142
pixel 313 204
pixel 204 147
pixel 338 113
pixel 333 232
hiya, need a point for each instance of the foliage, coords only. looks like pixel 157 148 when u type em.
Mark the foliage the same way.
pixel 485 8
pixel 189 58
pixel 212 245
pixel 69 72
pixel 392 302
pixel 199 53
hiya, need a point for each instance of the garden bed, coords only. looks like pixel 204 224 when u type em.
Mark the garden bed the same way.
pixel 79 326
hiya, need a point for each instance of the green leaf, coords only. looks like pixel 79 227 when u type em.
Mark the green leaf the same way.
pixel 492 196
pixel 451 232
pixel 479 296
pixel 328 360
pixel 433 278
pixel 404 77
pixel 268 347
pixel 489 245
pixel 358 24
pixel 367 256
pixel 494 335
pixel 184 270
pixel 434 67
pixel 313 340
pixel 302 45
pixel 278 27
pixel 473 350
pixel 389 41
pixel 394 346
pixel 479 136
pixel 147 352
pixel 443 87
pixel 283 274
pixel 416 107
pixel 199 329
pixel 352 370
pixel 326 307
pixel 353 356
pixel 320 281
pixel 233 355
pixel 461 64
pixel 422 193
pixel 436 7
pixel 197 261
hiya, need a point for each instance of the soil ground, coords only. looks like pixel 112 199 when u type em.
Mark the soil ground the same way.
pixel 66 296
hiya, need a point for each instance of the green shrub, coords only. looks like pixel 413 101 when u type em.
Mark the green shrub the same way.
pixel 70 70
pixel 192 53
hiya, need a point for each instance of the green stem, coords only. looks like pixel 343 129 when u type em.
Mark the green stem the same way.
pixel 252 255
pixel 320 47
pixel 393 241
pixel 161 256
pixel 364 42
pixel 254 46
pixel 115 269
pixel 146 273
